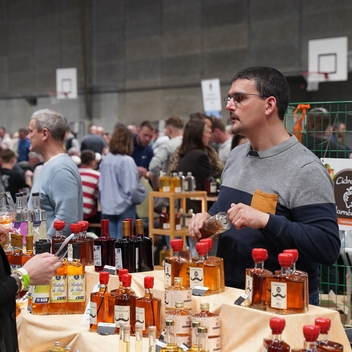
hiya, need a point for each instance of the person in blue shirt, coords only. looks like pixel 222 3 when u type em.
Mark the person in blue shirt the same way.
pixel 23 145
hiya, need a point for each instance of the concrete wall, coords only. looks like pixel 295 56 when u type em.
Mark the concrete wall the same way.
pixel 144 59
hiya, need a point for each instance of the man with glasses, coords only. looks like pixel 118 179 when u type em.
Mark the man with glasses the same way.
pixel 277 193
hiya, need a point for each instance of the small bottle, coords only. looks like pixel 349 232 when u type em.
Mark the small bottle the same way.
pixel 164 221
pixel 190 183
pixel 148 308
pixel 57 348
pixel 126 338
pixel 139 338
pixel 29 250
pixel 59 237
pixel 182 180
pixel 175 265
pixel 89 242
pixel 178 292
pixel 325 344
pixel 101 309
pixel 152 339
pixel 194 345
pixel 202 339
pixel 15 255
pixel 164 182
pixel 164 253
pixel 38 219
pixel 178 220
pixel 125 250
pixel 285 294
pixel 170 338
pixel 215 225
pixel 275 343
pixel 182 319
pixel 68 348
pixel 211 186
pixel 22 216
pixel 104 248
pixel 82 240
pixel 311 333
pixel 175 183
pixel 256 280
pixel 146 262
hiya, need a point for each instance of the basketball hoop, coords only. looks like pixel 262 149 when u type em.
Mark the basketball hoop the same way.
pixel 314 78
pixel 55 96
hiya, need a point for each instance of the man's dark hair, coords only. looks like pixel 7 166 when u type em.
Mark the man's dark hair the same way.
pixel 6 155
pixel 87 156
pixel 174 121
pixel 148 124
pixel 269 82
pixel 217 123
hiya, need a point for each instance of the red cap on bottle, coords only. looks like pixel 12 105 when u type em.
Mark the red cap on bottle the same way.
pixel 104 225
pixel 277 325
pixel 294 252
pixel 84 225
pixel 126 280
pixel 209 241
pixel 104 277
pixel 285 260
pixel 311 332
pixel 75 228
pixel 122 272
pixel 202 248
pixel 324 323
pixel 149 281
pixel 259 254
pixel 176 244
pixel 59 225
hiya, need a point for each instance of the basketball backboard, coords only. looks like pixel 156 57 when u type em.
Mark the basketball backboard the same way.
pixel 66 83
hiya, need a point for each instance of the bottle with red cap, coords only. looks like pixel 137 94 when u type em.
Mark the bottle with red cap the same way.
pixel 118 290
pixel 125 305
pixel 311 333
pixel 325 344
pixel 275 343
pixel 104 248
pixel 59 237
pixel 88 243
pixel 300 275
pixel 256 277
pixel 285 294
pixel 175 265
pixel 101 304
pixel 148 308
pixel 203 272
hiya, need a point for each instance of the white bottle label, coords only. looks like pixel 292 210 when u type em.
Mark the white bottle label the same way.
pixel 93 313
pixel 166 226
pixel 41 294
pixel 249 287
pixel 211 323
pixel 122 315
pixel 118 258
pixel 137 259
pixel 177 189
pixel 97 256
pixel 166 189
pixel 140 316
pixel 213 187
pixel 75 288
pixel 58 289
pixel 167 274
pixel 178 227
pixel 214 344
pixel 182 323
pixel 279 295
pixel 172 296
pixel 183 340
pixel 196 276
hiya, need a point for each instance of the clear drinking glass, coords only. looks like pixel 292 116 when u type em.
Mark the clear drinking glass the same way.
pixel 7 212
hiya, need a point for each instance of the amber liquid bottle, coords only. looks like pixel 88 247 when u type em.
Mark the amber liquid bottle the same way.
pixel 146 262
pixel 178 292
pixel 275 343
pixel 29 250
pixel 125 250
pixel 178 219
pixel 175 266
pixel 58 290
pixel 89 243
pixel 15 255
pixel 256 280
pixel 215 225
pixel 104 248
pixel 81 239
pixel 101 309
pixel 148 308
pixel 164 220
pixel 325 344
pixel 175 183
pixel 311 333
pixel 125 305
pixel 59 237
pixel 285 294
pixel 115 292
pixel 171 345
pixel 164 182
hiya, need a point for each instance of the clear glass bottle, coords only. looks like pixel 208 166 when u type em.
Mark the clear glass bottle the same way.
pixel 178 292
pixel 202 339
pixel 146 262
pixel 171 345
pixel 139 338
pixel 38 219
pixel 101 309
pixel 152 339
pixel 14 256
pixel 148 308
pixel 215 225
pixel 126 338
pixel 57 348
pixel 175 183
pixel 182 180
pixel 125 250
pixel 194 344
pixel 164 182
pixel 22 216
pixel 190 183
pixel 311 333
pixel 256 277
pixel 175 265
pixel 325 344
pixel 275 343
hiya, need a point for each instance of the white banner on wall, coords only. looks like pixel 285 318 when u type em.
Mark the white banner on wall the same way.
pixel 211 97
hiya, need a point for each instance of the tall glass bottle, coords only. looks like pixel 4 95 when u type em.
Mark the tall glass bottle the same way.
pixel 21 223
pixel 325 344
pixel 146 262
pixel 275 343
pixel 125 253
pixel 139 338
pixel 215 225
pixel 256 279
pixel 202 339
pixel 38 219
pixel 89 242
pixel 182 180
pixel 15 255
pixel 164 220
pixel 164 182
pixel 175 183
pixel 175 265
pixel 190 182
pixel 152 339
pixel 101 309
pixel 194 345
pixel 59 237
pixel 148 308
pixel 311 333
pixel 29 250
pixel 170 338
pixel 126 338
pixel 104 250
pixel 58 291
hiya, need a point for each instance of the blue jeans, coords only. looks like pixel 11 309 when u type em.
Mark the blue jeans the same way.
pixel 314 298
pixel 115 222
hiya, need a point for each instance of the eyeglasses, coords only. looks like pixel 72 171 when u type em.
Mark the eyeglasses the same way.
pixel 238 97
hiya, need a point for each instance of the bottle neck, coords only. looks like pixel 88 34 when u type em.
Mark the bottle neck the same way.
pixel 276 337
pixel 103 287
pixel 293 267
pixel 285 271
pixel 259 265
pixel 148 292
pixel 310 346
pixel 169 335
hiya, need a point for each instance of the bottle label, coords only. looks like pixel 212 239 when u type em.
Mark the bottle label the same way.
pixel 178 227
pixel 75 288
pixel 93 312
pixel 279 295
pixel 140 316
pixel 122 315
pixel 118 258
pixel 182 323
pixel 183 340
pixel 196 276
pixel 166 226
pixel 177 189
pixel 167 274
pixel 166 189
pixel 172 296
pixel 41 294
pixel 213 187
pixel 211 323
pixel 214 344
pixel 58 289
pixel 249 287
pixel 22 227
pixel 137 258
pixel 15 267
pixel 97 256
